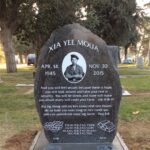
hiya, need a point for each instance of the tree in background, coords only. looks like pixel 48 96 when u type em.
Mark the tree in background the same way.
pixel 2 58
pixel 115 21
pixel 33 21
pixel 12 15
pixel 49 16
pixel 22 48
pixel 144 28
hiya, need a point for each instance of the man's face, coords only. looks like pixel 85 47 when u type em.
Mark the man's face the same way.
pixel 74 61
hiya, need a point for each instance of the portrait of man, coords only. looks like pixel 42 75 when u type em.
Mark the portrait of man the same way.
pixel 74 72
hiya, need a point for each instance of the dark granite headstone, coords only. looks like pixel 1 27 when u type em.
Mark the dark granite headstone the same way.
pixel 77 89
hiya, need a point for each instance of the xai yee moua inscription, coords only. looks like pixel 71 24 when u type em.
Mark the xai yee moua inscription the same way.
pixel 77 89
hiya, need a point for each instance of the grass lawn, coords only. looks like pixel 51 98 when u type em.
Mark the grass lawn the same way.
pixel 18 113
pixel 125 69
pixel 137 84
pixel 134 116
pixel 135 108
pixel 17 106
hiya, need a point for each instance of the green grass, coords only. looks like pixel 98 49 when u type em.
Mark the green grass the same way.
pixel 16 107
pixel 134 71
pixel 136 84
pixel 132 105
pixel 130 69
pixel 130 66
pixel 22 76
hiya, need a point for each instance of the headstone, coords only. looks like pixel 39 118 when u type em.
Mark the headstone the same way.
pixel 140 62
pixel 1 80
pixel 77 89
pixel 114 55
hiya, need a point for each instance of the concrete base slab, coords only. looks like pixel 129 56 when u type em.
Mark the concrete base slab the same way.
pixel 41 143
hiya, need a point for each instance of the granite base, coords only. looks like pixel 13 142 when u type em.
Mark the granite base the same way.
pixel 41 143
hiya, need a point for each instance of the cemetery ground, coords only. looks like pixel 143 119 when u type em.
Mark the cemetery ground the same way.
pixel 19 121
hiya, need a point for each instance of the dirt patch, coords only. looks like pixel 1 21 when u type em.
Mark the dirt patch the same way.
pixel 141 94
pixel 136 134
pixel 20 141
pixel 6 131
pixel 25 90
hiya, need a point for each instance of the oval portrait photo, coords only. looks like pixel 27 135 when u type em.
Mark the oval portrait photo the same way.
pixel 74 67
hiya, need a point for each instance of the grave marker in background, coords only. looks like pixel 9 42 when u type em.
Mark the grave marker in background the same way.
pixel 140 62
pixel 114 54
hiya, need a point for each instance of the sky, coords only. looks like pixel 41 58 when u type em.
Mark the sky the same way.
pixel 141 4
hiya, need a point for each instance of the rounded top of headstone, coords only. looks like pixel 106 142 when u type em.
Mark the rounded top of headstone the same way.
pixel 78 33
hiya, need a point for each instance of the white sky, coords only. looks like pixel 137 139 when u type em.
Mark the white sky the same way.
pixel 141 4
